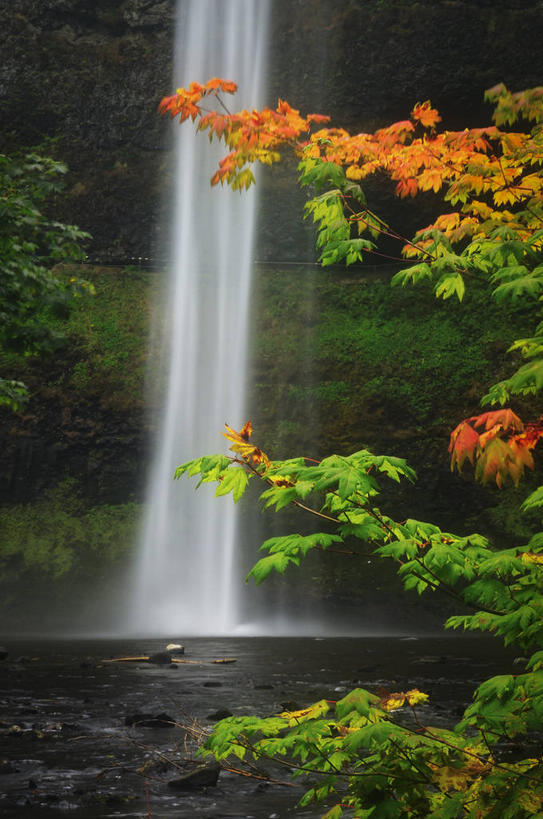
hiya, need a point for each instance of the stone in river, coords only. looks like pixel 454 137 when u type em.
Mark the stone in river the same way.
pixel 222 713
pixel 202 777
pixel 141 720
pixel 175 649
pixel 160 658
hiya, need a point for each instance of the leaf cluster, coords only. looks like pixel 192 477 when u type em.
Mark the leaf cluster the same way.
pixel 355 751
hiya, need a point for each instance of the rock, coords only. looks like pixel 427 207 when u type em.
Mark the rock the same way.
pixel 222 713
pixel 175 649
pixel 160 658
pixel 212 684
pixel 141 720
pixel 7 767
pixel 202 777
pixel 3 653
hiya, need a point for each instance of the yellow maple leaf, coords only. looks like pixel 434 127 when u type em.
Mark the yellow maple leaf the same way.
pixel 304 714
pixel 448 778
pixel 530 557
pixel 415 697
pixel 240 444
pixel 392 701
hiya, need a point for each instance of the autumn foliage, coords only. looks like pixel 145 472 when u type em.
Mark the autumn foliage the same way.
pixel 493 232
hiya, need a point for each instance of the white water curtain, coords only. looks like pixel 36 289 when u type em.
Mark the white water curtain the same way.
pixel 186 580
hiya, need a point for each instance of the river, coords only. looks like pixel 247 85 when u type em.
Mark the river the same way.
pixel 66 750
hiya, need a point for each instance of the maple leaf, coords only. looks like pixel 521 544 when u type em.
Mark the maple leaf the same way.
pixel 318 118
pixel 530 557
pixel 407 187
pixel 502 450
pixel 391 701
pixel 448 778
pixel 240 444
pixel 463 443
pixel 425 114
pixel 415 697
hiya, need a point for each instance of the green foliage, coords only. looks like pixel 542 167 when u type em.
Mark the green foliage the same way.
pixel 30 243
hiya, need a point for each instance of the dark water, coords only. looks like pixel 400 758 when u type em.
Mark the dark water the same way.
pixel 69 753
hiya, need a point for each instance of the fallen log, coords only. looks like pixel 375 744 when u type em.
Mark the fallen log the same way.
pixel 146 659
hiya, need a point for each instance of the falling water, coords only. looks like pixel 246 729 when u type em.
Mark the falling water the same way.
pixel 186 579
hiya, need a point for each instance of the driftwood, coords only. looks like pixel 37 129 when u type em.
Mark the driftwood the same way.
pixel 145 659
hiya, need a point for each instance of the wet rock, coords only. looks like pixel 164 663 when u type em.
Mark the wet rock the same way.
pixel 7 767
pixel 142 720
pixel 3 653
pixel 222 713
pixel 160 658
pixel 202 777
pixel 175 649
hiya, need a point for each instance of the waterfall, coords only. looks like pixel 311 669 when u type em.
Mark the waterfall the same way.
pixel 186 574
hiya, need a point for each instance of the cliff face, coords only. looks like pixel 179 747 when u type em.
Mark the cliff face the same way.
pixel 82 79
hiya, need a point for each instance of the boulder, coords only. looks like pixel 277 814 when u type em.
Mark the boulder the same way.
pixel 222 713
pixel 202 777
pixel 160 658
pixel 141 720
pixel 3 653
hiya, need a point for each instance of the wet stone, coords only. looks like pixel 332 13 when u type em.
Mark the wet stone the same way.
pixel 160 658
pixel 141 720
pixel 221 713
pixel 202 777
pixel 7 767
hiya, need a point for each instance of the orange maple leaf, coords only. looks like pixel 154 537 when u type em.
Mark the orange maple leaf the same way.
pixel 502 450
pixel 425 114
pixel 407 187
